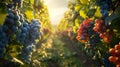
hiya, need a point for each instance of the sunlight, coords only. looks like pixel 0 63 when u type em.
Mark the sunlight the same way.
pixel 56 10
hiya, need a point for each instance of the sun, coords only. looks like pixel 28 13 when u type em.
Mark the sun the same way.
pixel 56 10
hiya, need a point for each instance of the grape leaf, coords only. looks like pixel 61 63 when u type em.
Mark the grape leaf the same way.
pixel 117 11
pixel 110 19
pixel 2 18
pixel 84 1
pixel 98 13
pixel 29 14
pixel 82 13
pixel 77 7
pixel 91 12
pixel 77 22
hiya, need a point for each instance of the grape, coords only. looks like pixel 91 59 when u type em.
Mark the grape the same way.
pixel 117 47
pixel 30 47
pixel 115 52
pixel 104 12
pixel 94 39
pixel 9 21
pixel 99 26
pixel 24 29
pixel 10 15
pixel 118 65
pixel 18 23
pixel 16 28
pixel 17 17
pixel 5 28
pixel 3 41
pixel 1 49
pixel 112 51
pixel 19 2
pixel 25 24
pixel 105 7
pixel 35 29
pixel 30 33
pixel 87 34
pixel 113 58
pixel 27 50
pixel 16 1
pixel 101 29
pixel 10 5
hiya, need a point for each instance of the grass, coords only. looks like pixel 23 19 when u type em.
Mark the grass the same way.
pixel 57 55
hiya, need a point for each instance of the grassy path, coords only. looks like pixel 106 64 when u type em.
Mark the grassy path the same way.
pixel 56 52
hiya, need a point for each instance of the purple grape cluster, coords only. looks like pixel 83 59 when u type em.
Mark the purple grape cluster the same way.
pixel 26 53
pixel 93 36
pixel 19 2
pixel 94 39
pixel 16 28
pixel 105 6
pixel 29 33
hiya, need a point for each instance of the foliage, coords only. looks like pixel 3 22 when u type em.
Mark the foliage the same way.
pixel 21 26
pixel 105 20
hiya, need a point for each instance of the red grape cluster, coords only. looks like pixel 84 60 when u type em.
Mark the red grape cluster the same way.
pixel 99 26
pixel 105 32
pixel 115 52
pixel 82 33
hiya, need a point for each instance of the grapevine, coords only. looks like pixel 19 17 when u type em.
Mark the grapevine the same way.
pixel 16 28
pixel 96 25
pixel 89 28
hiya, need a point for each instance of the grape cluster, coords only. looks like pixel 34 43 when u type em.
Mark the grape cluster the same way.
pixel 115 52
pixel 105 6
pixel 99 26
pixel 7 31
pixel 18 2
pixel 27 51
pixel 16 28
pixel 86 33
pixel 30 32
pixel 105 32
pixel 82 35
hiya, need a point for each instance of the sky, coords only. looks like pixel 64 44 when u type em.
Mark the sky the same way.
pixel 56 10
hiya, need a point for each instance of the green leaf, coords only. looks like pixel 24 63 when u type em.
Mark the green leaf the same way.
pixel 83 13
pixel 110 19
pixel 113 21
pixel 98 13
pixel 84 1
pixel 117 11
pixel 77 22
pixel 91 12
pixel 77 7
